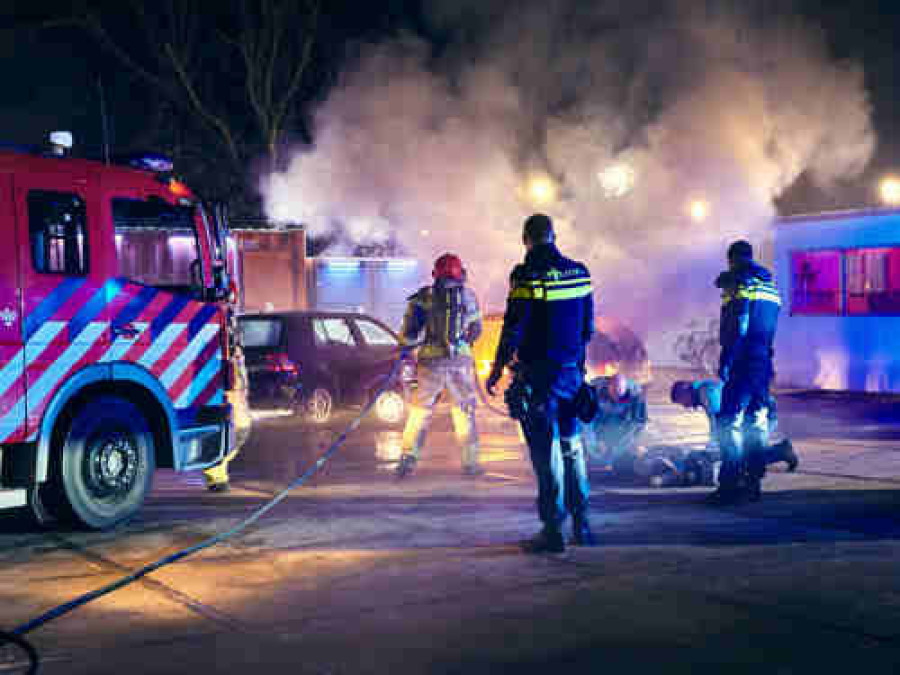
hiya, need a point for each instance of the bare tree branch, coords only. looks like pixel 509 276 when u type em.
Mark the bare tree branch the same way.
pixel 214 121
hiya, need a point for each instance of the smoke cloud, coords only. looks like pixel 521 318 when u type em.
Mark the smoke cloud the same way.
pixel 708 102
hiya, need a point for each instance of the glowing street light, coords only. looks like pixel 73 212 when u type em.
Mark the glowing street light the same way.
pixel 699 210
pixel 616 180
pixel 541 190
pixel 890 191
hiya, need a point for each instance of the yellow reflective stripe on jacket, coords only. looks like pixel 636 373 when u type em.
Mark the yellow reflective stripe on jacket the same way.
pixel 579 291
pixel 763 293
pixel 764 296
pixel 552 290
pixel 526 293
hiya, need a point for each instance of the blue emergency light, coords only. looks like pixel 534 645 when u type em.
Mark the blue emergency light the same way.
pixel 152 162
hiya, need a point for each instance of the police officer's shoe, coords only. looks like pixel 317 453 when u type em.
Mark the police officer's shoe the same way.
pixel 473 470
pixel 582 533
pixel 726 495
pixel 406 466
pixel 219 487
pixel 546 541
pixel 754 490
pixel 786 452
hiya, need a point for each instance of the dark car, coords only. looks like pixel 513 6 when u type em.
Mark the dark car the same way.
pixel 333 359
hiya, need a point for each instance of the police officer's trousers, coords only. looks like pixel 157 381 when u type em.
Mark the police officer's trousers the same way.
pixel 561 473
pixel 742 424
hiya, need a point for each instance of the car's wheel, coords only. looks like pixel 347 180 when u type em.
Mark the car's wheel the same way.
pixel 390 406
pixel 320 405
pixel 104 463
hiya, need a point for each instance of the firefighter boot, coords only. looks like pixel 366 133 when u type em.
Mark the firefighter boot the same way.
pixel 548 540
pixel 406 465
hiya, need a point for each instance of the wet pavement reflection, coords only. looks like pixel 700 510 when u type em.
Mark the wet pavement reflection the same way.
pixel 282 447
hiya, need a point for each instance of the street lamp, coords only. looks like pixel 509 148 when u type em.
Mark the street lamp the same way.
pixel 616 180
pixel 699 210
pixel 541 190
pixel 890 190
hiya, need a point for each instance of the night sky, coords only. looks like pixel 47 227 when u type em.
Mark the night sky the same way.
pixel 51 77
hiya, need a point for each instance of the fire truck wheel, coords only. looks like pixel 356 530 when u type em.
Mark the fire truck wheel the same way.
pixel 319 405
pixel 105 463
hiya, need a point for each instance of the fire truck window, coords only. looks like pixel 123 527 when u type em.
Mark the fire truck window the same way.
pixel 155 241
pixel 57 222
pixel 816 283
pixel 873 281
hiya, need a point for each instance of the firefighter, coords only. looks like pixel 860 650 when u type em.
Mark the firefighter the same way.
pixel 448 313
pixel 750 307
pixel 546 328
pixel 216 477
pixel 707 395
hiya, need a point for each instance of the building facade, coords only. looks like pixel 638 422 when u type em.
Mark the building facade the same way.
pixel 840 280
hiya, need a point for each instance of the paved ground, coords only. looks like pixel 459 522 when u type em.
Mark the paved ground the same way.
pixel 360 573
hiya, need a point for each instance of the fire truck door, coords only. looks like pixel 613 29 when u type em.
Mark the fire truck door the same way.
pixel 65 290
pixel 12 357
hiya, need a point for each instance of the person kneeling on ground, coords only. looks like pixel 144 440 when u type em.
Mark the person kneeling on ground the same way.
pixel 613 436
pixel 707 395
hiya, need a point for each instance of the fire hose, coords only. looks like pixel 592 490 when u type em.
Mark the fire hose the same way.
pixel 15 636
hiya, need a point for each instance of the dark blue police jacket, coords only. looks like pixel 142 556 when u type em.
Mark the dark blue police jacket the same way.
pixel 549 311
pixel 749 317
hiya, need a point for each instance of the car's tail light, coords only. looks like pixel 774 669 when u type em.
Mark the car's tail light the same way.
pixel 280 363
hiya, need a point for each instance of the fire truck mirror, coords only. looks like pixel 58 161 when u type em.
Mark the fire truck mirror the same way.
pixel 197 275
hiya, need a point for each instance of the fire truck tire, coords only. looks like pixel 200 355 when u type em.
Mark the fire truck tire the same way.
pixel 104 464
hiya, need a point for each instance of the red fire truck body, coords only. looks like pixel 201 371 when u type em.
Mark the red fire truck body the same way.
pixel 104 376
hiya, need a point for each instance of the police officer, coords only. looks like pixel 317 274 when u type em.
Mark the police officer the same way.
pixel 548 324
pixel 750 307
pixel 448 313
pixel 707 395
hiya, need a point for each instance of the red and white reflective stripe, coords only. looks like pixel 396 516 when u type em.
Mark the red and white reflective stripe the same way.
pixel 120 347
pixel 46 381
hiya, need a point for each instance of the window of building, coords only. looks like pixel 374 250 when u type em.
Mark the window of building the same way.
pixel 57 223
pixel 873 281
pixel 816 282
pixel 155 242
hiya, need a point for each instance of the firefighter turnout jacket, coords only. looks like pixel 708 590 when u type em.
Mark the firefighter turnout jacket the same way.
pixel 750 307
pixel 549 312
pixel 448 313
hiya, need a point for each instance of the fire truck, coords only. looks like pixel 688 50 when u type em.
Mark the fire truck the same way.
pixel 114 360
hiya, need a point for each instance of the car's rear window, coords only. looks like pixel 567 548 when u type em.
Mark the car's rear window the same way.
pixel 261 332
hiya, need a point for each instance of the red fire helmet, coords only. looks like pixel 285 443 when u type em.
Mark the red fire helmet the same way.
pixel 448 266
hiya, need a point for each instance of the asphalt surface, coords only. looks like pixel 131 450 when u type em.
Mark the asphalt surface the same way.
pixel 358 572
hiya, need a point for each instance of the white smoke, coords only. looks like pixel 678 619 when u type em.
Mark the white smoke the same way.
pixel 716 104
